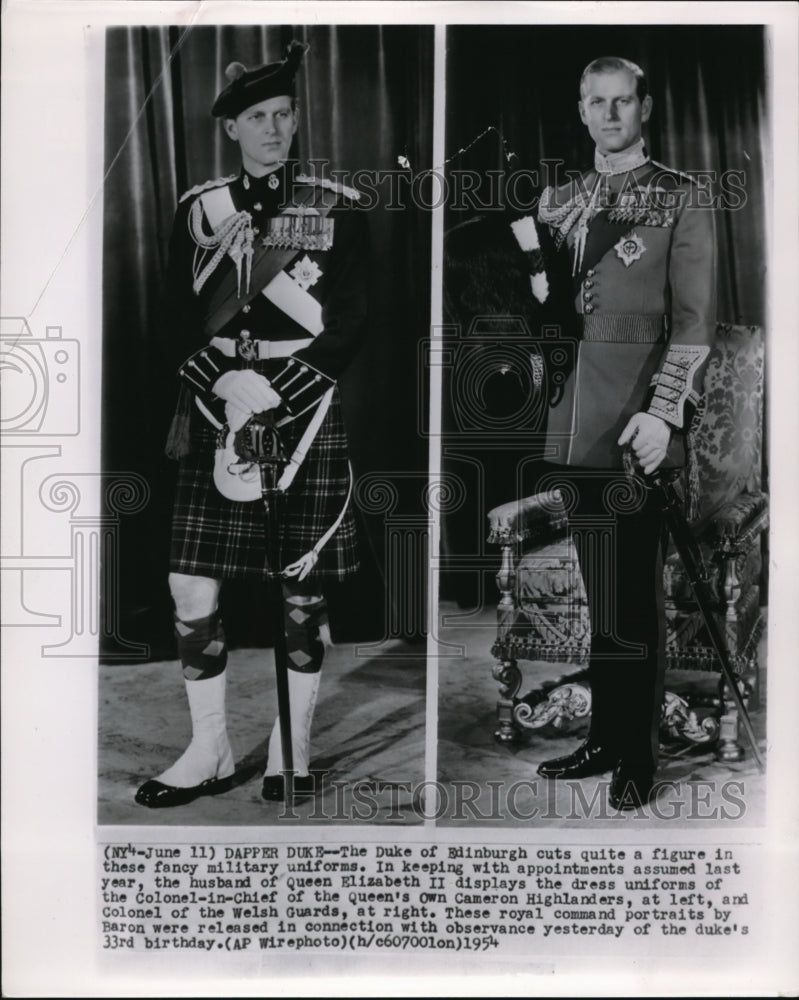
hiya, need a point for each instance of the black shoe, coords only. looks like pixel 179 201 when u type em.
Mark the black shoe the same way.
pixel 156 795
pixel 273 788
pixel 631 785
pixel 590 758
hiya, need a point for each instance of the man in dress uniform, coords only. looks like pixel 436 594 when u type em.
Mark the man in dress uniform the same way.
pixel 266 302
pixel 639 242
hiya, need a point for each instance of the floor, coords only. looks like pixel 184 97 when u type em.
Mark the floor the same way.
pixel 368 731
pixel 695 789
pixel 368 745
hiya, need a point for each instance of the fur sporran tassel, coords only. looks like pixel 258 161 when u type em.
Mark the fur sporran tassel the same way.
pixel 178 441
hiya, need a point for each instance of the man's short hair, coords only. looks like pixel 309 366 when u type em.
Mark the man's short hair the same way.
pixel 612 64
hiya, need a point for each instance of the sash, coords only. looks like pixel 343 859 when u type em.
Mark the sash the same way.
pixel 283 292
pixel 267 263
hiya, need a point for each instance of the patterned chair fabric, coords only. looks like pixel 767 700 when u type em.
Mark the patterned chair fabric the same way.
pixel 729 438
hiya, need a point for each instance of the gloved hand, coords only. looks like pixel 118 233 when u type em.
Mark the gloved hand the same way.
pixel 235 417
pixel 650 438
pixel 246 390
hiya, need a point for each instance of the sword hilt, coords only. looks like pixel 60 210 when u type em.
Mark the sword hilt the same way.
pixel 259 441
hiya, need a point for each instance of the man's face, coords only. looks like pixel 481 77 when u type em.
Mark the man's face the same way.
pixel 612 111
pixel 264 132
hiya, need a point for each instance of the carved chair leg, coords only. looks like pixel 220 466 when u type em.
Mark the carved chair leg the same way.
pixel 506 584
pixel 729 746
pixel 505 671
pixel 751 677
pixel 510 679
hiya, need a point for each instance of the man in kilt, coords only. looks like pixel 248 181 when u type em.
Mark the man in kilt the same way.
pixel 266 303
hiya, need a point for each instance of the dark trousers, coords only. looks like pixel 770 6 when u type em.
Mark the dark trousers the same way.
pixel 617 529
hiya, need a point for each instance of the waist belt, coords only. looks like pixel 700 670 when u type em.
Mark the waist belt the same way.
pixel 264 349
pixel 624 328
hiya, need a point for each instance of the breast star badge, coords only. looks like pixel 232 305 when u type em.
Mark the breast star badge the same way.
pixel 306 272
pixel 630 248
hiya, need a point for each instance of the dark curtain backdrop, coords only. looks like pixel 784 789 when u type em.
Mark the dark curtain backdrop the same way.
pixel 708 83
pixel 365 97
pixel 709 86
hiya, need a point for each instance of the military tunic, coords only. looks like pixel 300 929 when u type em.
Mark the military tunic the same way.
pixel 644 291
pixel 304 328
pixel 640 247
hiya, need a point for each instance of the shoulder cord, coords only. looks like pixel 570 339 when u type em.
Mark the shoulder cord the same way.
pixel 562 218
pixel 234 236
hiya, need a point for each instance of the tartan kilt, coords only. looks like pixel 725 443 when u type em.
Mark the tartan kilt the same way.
pixel 225 539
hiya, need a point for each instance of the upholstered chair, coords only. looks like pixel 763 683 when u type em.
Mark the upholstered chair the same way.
pixel 542 611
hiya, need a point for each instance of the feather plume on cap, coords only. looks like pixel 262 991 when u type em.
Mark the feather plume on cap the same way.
pixel 295 50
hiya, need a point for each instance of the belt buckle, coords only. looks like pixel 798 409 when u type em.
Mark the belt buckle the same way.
pixel 246 348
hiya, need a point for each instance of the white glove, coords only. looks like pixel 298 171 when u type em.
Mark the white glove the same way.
pixel 235 417
pixel 246 390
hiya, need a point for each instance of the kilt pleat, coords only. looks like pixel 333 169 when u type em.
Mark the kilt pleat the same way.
pixel 225 539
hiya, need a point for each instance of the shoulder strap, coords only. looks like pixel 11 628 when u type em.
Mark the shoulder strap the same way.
pixel 198 188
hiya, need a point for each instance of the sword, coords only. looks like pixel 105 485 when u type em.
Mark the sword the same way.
pixel 259 441
pixel 695 568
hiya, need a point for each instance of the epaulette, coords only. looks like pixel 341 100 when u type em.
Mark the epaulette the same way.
pixel 671 170
pixel 325 182
pixel 552 210
pixel 568 189
pixel 576 189
pixel 199 188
